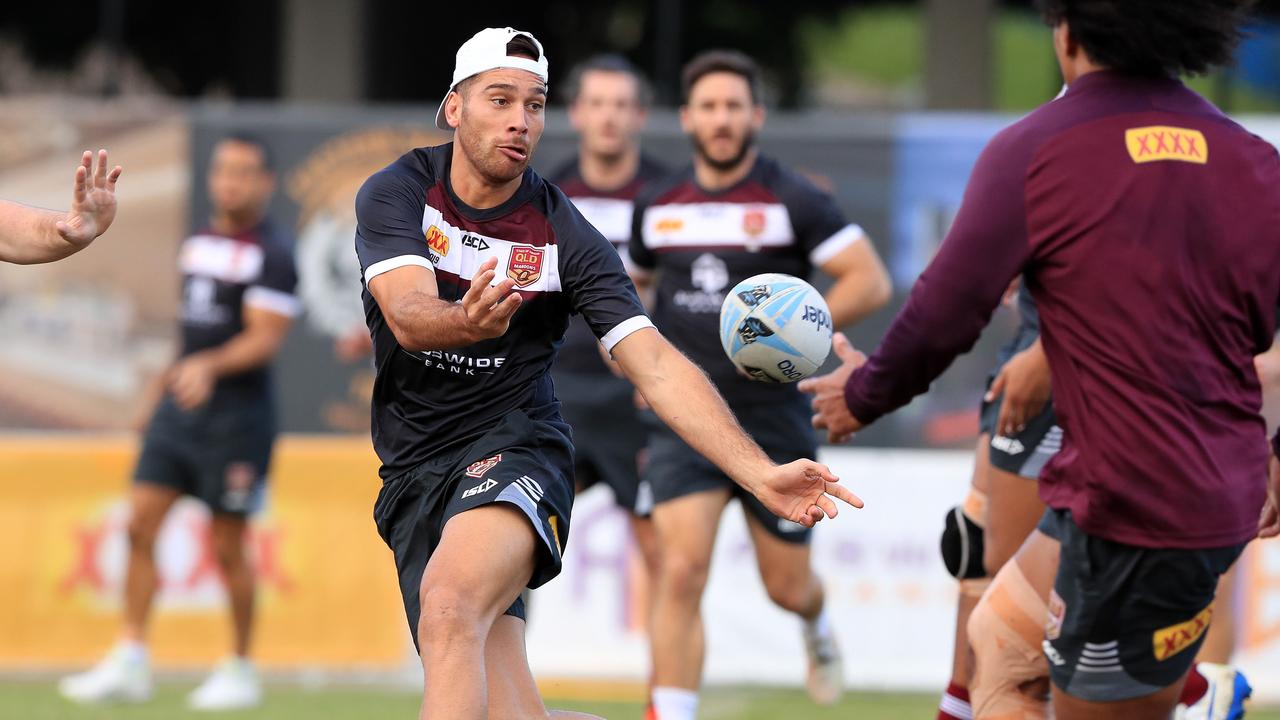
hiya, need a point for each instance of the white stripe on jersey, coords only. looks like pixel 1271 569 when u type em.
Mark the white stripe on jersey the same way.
pixel 832 246
pixel 611 216
pixel 272 300
pixel 467 250
pixel 623 329
pixel 394 263
pixel 221 258
pixel 715 224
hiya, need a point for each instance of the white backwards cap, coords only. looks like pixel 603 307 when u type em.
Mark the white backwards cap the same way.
pixel 487 50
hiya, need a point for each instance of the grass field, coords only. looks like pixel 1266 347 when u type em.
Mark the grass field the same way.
pixel 39 701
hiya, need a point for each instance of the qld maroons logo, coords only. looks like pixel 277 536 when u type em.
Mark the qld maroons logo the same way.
pixel 479 468
pixel 525 265
pixel 753 221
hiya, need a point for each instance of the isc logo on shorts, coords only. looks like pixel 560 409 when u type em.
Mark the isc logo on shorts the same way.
pixel 483 487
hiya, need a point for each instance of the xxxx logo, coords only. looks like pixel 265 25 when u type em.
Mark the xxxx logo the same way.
pixel 1161 142
pixel 1172 640
pixel 437 240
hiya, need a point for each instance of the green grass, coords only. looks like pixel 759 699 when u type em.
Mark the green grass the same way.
pixel 39 701
pixel 882 46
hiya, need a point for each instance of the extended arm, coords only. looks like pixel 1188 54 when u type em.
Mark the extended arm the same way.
pixel 687 402
pixel 420 320
pixel 31 235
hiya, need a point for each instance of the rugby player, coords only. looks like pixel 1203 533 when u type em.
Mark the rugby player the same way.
pixel 212 433
pixel 472 265
pixel 30 235
pixel 608 105
pixel 732 214
pixel 1135 209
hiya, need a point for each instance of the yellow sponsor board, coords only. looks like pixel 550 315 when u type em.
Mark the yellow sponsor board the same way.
pixel 328 593
pixel 1164 142
pixel 1169 641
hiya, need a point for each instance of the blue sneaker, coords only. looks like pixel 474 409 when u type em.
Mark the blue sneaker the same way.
pixel 1224 700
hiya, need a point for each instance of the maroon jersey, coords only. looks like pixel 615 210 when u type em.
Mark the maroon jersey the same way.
pixel 1148 226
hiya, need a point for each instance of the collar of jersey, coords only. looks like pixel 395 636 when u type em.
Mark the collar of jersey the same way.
pixel 529 185
pixel 1114 78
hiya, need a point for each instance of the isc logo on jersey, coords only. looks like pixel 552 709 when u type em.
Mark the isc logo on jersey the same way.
pixel 775 328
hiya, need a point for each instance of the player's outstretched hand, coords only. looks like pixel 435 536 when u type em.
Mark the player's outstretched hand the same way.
pixel 489 308
pixel 1024 382
pixel 803 492
pixel 93 201
pixel 1269 522
pixel 831 412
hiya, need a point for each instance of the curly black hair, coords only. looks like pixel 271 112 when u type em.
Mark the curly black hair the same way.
pixel 1153 37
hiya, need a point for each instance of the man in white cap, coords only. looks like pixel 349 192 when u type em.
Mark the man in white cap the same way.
pixel 472 265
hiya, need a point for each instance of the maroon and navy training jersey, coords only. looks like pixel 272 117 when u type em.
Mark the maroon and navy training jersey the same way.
pixel 702 243
pixel 610 212
pixel 1148 226
pixel 407 214
pixel 221 276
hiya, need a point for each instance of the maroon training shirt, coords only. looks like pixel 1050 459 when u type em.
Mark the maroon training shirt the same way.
pixel 1148 225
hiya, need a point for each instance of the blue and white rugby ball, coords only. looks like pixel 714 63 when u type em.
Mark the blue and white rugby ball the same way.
pixel 775 328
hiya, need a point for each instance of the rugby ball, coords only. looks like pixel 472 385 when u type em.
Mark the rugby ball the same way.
pixel 775 328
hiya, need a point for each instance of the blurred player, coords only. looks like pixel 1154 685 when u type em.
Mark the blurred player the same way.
pixel 1001 508
pixel 472 265
pixel 733 214
pixel 30 235
pixel 212 433
pixel 1135 208
pixel 608 104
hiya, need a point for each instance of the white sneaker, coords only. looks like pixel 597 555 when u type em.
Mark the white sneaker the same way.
pixel 234 685
pixel 124 675
pixel 826 670
pixel 1224 700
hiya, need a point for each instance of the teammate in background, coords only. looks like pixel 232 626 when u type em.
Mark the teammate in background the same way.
pixel 1018 435
pixel 733 214
pixel 211 435
pixel 31 235
pixel 1134 207
pixel 472 265
pixel 608 104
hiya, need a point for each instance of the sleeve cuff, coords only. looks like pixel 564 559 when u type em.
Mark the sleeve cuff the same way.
pixel 271 300
pixel 859 406
pixel 623 329
pixel 829 248
pixel 394 263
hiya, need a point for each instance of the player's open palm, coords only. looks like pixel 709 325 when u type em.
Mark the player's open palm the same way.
pixel 489 307
pixel 93 201
pixel 803 492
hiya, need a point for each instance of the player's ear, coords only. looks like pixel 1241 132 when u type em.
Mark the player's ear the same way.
pixel 685 124
pixel 757 115
pixel 453 109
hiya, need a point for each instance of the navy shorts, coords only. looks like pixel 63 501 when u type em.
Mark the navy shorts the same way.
pixel 218 452
pixel 1126 621
pixel 675 470
pixel 608 436
pixel 523 462
pixel 1028 451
